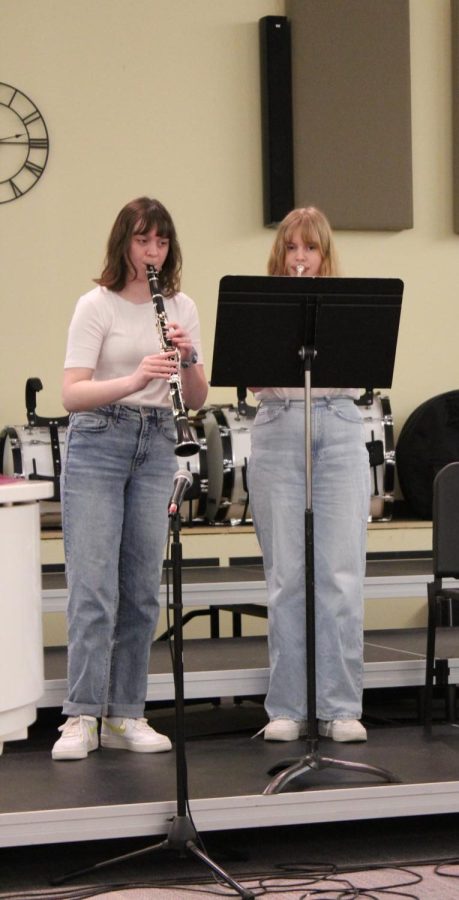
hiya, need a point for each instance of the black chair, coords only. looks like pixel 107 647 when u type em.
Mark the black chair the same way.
pixel 441 598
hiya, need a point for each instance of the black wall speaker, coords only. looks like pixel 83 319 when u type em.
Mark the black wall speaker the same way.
pixel 276 118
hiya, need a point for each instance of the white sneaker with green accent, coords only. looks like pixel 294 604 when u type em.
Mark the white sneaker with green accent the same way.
pixel 132 734
pixel 78 737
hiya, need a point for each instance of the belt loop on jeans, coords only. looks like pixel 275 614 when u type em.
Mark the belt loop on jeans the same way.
pixel 116 412
pixel 287 403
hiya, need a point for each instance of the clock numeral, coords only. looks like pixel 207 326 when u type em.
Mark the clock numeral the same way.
pixel 16 191
pixel 10 103
pixel 32 117
pixel 32 167
pixel 38 143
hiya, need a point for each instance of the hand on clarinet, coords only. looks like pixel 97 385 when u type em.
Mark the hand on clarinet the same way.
pixel 158 365
pixel 180 339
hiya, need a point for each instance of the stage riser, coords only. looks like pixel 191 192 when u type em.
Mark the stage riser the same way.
pixel 238 666
pixel 223 814
pixel 236 593
pixel 254 683
pixel 227 780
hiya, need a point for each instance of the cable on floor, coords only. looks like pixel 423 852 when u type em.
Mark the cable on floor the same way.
pixel 323 882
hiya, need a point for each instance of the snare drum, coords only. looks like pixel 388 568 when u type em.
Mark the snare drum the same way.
pixel 228 448
pixel 379 437
pixel 195 501
pixel 34 452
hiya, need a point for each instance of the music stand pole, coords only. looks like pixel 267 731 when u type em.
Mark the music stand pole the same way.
pixel 181 835
pixel 286 770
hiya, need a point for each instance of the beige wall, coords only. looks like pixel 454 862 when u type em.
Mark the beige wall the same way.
pixel 162 97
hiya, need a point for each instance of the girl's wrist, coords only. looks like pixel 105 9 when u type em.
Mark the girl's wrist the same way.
pixel 191 360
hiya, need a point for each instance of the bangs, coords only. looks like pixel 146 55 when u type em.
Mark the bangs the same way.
pixel 310 233
pixel 153 218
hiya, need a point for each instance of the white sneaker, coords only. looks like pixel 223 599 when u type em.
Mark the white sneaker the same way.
pixel 79 736
pixel 345 730
pixel 284 730
pixel 132 734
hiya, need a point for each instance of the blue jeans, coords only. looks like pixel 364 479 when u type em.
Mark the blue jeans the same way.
pixel 119 464
pixel 340 501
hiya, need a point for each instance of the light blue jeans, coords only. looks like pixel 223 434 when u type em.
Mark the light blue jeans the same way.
pixel 340 502
pixel 119 464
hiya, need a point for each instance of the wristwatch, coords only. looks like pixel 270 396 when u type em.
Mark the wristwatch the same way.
pixel 186 363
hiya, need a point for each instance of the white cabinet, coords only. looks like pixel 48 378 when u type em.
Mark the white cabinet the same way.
pixel 21 642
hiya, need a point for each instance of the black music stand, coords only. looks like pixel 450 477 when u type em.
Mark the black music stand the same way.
pixel 307 332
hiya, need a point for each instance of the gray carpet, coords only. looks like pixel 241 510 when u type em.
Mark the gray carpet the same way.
pixel 424 883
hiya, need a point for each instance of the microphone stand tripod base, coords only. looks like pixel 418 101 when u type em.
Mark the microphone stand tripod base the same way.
pixel 181 838
pixel 288 769
pixel 181 835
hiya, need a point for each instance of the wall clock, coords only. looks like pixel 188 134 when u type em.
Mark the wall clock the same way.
pixel 24 143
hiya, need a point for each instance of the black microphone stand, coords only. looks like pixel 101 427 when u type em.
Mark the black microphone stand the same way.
pixel 182 835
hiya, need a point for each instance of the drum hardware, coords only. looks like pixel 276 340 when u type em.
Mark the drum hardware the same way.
pixel 376 453
pixel 378 423
pixel 33 451
pixel 33 386
pixel 245 486
pixel 366 399
pixel 243 407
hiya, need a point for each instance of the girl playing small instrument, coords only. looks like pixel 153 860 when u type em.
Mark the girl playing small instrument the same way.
pixel 340 499
pixel 119 463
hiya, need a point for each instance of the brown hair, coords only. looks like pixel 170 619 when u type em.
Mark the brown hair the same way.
pixel 139 217
pixel 315 228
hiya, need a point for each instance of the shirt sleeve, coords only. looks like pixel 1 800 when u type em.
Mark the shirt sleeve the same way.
pixel 87 331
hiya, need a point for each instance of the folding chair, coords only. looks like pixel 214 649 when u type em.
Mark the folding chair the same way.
pixel 441 598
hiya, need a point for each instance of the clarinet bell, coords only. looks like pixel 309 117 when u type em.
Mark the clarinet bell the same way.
pixel 186 444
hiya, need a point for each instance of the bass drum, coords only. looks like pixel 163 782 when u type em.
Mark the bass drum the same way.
pixel 35 452
pixel 379 438
pixel 228 448
pixel 428 441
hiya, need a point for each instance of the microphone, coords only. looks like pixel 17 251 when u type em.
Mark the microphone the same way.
pixel 182 480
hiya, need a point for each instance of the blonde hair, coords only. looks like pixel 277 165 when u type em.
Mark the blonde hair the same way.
pixel 315 228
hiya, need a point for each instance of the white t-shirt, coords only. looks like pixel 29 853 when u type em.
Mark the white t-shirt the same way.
pixel 112 335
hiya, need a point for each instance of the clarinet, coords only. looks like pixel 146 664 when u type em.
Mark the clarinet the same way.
pixel 186 445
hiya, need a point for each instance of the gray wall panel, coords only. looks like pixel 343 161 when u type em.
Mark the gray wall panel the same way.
pixel 352 111
pixel 455 111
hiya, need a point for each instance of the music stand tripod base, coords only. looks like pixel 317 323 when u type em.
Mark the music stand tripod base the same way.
pixel 288 769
